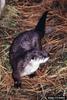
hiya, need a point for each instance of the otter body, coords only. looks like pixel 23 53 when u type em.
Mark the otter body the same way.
pixel 26 51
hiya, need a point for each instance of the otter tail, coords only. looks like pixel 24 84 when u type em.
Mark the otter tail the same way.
pixel 40 27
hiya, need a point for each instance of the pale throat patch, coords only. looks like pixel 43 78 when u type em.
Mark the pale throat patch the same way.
pixel 33 65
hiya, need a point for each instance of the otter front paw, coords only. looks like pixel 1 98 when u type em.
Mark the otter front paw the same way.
pixel 17 84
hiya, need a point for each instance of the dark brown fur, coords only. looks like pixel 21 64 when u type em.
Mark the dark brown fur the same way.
pixel 26 46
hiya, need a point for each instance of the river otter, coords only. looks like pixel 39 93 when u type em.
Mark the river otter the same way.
pixel 26 52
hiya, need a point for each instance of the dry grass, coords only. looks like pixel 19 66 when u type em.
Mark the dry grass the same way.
pixel 51 80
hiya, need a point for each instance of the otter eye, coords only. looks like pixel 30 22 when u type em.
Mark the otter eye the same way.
pixel 32 57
